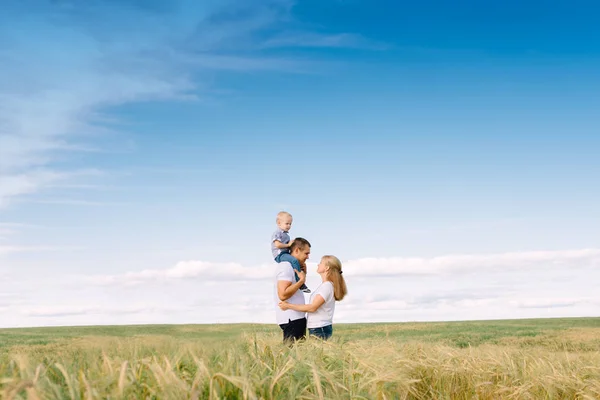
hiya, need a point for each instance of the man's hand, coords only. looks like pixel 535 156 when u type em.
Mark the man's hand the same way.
pixel 301 276
pixel 303 266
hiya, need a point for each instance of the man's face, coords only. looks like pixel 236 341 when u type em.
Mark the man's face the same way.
pixel 302 254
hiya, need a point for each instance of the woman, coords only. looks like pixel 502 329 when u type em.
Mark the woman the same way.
pixel 322 301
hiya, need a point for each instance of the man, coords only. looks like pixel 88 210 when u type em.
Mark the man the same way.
pixel 292 323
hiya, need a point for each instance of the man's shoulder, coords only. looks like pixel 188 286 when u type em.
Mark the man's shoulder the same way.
pixel 284 268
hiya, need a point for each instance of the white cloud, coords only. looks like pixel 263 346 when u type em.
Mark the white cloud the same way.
pixel 205 292
pixel 554 302
pixel 464 263
pixel 370 267
pixel 205 271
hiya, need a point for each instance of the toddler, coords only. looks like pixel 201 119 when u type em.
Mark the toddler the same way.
pixel 280 244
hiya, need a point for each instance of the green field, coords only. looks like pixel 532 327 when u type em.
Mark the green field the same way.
pixel 518 359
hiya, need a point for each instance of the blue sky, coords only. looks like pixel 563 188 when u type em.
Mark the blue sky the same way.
pixel 450 146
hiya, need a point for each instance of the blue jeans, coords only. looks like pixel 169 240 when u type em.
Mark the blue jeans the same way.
pixel 292 260
pixel 323 332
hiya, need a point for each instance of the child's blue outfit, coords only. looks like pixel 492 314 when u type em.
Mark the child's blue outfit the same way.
pixel 280 255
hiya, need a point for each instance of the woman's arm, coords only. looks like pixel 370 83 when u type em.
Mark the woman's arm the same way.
pixel 317 302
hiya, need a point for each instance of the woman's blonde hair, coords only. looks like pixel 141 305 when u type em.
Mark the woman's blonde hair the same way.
pixel 335 276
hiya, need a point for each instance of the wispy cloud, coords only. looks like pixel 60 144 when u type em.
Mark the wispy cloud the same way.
pixel 64 63
pixel 5 250
pixel 8 229
pixel 26 182
pixel 70 310
pixel 75 202
pixel 315 39
pixel 8 299
pixel 6 232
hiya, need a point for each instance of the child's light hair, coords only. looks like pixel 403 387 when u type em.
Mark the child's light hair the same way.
pixel 335 277
pixel 282 214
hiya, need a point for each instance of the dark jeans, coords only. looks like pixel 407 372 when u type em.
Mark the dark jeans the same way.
pixel 323 332
pixel 292 260
pixel 294 330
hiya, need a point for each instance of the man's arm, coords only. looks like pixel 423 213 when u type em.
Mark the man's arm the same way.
pixel 286 289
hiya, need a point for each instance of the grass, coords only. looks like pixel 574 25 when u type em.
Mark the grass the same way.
pixel 520 359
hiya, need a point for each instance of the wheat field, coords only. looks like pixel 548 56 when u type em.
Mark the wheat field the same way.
pixel 520 359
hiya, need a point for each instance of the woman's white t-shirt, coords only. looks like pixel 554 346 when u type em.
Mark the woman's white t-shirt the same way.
pixel 324 314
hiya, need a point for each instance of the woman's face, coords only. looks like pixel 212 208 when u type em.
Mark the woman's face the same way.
pixel 322 267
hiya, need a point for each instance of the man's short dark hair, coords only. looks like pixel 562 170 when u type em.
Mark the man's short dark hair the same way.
pixel 299 243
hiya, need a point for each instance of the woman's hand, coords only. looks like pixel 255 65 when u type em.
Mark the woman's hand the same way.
pixel 284 305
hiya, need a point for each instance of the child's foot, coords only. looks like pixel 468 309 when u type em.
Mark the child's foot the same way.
pixel 305 289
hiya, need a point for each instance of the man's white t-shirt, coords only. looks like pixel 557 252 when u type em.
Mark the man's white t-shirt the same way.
pixel 285 272
pixel 324 314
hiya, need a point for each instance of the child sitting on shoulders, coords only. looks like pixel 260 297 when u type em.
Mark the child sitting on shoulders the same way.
pixel 280 244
